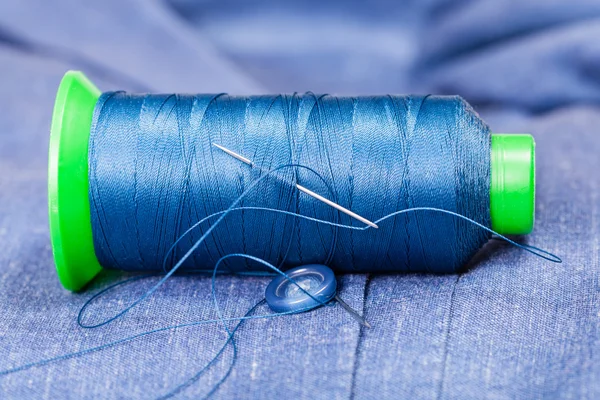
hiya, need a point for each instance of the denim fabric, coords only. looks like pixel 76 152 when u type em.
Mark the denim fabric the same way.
pixel 510 326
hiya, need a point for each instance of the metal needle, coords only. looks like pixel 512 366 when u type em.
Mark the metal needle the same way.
pixel 304 190
pixel 234 155
pixel 352 312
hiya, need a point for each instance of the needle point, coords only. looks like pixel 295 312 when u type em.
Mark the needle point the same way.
pixel 360 319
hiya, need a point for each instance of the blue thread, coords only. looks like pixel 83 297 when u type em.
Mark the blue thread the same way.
pixel 532 249
pixel 154 173
pixel 230 339
pixel 414 128
pixel 161 161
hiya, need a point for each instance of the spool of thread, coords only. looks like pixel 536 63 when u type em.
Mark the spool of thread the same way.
pixel 511 182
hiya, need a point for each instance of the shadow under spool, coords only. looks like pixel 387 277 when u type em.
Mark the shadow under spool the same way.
pixel 512 186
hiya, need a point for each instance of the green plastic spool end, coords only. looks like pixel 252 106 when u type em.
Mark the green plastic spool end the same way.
pixel 68 203
pixel 512 194
pixel 512 190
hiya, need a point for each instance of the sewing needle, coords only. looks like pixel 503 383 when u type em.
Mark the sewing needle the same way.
pixel 304 190
pixel 352 312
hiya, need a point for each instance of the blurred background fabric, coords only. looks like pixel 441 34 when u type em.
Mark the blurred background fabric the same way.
pixel 510 326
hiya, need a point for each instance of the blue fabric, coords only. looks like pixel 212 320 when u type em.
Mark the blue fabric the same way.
pixel 511 326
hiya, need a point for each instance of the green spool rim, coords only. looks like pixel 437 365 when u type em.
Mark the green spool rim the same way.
pixel 512 189
pixel 68 202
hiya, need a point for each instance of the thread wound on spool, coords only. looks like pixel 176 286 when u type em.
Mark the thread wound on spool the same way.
pixel 177 178
pixel 154 173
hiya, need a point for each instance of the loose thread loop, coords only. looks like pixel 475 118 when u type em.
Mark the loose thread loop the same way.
pixel 221 318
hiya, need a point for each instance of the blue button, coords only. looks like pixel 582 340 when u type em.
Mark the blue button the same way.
pixel 283 295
